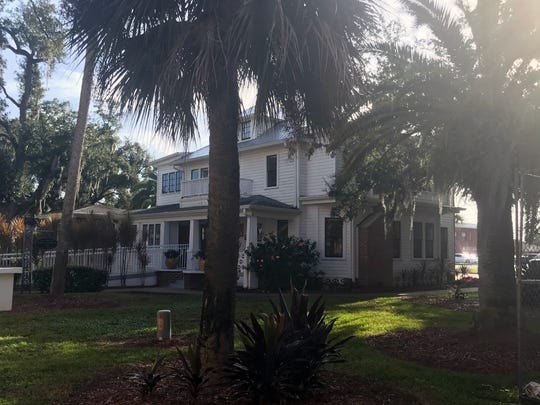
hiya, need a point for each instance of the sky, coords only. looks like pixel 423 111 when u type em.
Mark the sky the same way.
pixel 65 81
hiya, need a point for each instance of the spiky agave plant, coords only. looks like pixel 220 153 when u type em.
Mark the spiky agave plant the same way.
pixel 284 351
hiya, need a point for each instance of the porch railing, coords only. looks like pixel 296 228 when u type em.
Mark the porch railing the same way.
pixel 123 259
pixel 9 259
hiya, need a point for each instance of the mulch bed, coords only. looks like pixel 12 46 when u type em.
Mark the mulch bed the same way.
pixel 494 353
pixel 448 302
pixel 118 389
pixel 483 353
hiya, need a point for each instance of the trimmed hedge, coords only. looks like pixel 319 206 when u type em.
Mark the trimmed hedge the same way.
pixel 78 279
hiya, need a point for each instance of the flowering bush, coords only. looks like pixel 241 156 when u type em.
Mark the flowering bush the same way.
pixel 277 262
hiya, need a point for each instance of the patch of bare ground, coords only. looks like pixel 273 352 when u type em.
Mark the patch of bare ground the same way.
pixel 118 389
pixel 46 302
pixel 493 352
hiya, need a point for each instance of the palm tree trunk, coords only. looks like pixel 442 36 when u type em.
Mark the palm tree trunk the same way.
pixel 74 176
pixel 497 290
pixel 218 305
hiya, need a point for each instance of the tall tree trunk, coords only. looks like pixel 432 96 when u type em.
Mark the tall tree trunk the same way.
pixel 74 177
pixel 497 290
pixel 218 306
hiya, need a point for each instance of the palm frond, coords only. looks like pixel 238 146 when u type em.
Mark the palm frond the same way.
pixel 447 28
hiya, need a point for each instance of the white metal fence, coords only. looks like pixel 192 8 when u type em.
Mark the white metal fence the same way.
pixel 10 259
pixel 124 260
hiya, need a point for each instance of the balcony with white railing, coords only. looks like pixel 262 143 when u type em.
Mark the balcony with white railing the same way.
pixel 199 187
pixel 425 197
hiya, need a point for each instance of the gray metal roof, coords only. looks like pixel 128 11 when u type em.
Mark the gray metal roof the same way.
pixel 278 133
pixel 252 201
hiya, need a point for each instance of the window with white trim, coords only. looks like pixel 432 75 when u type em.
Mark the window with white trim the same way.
pixel 396 239
pixel 333 237
pixel 423 240
pixel 430 240
pixel 152 234
pixel 171 182
pixel 418 231
pixel 444 243
pixel 271 171
pixel 245 130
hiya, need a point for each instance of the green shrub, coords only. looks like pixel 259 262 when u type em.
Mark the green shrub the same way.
pixel 283 352
pixel 278 262
pixel 78 279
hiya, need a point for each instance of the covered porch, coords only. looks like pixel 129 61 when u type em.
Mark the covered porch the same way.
pixel 184 230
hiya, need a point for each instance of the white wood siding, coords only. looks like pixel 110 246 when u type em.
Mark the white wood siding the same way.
pixel 253 166
pixel 407 262
pixel 312 227
pixel 317 170
pixel 165 198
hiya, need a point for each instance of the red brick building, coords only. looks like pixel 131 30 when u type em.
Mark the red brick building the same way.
pixel 466 238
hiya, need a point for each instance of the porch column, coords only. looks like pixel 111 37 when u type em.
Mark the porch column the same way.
pixel 250 279
pixel 193 264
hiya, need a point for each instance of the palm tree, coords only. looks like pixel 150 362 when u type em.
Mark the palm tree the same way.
pixel 471 112
pixel 168 60
pixel 74 176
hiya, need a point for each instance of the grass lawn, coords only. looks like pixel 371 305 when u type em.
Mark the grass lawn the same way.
pixel 471 268
pixel 47 355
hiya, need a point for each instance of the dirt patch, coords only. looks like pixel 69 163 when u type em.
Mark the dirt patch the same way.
pixel 175 341
pixel 493 353
pixel 45 302
pixel 118 389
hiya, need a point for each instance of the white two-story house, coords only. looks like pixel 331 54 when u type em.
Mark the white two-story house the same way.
pixel 287 194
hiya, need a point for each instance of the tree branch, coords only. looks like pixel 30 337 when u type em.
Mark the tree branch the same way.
pixel 10 98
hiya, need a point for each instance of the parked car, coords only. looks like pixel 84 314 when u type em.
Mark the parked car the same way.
pixel 534 263
pixel 461 258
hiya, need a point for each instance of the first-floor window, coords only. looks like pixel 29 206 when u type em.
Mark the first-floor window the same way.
pixel 152 234
pixel 204 172
pixel 430 238
pixel 417 239
pixel 195 174
pixel 333 237
pixel 444 243
pixel 282 229
pixel 396 239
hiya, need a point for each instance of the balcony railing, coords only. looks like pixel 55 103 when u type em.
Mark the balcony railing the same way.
pixel 429 197
pixel 199 187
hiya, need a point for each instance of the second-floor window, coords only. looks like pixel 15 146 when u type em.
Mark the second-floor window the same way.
pixel 171 182
pixel 245 130
pixel 201 173
pixel 271 171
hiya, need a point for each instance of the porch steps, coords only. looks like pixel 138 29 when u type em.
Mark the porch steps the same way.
pixel 177 284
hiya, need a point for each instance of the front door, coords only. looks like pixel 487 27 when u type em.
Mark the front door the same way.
pixel 183 233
